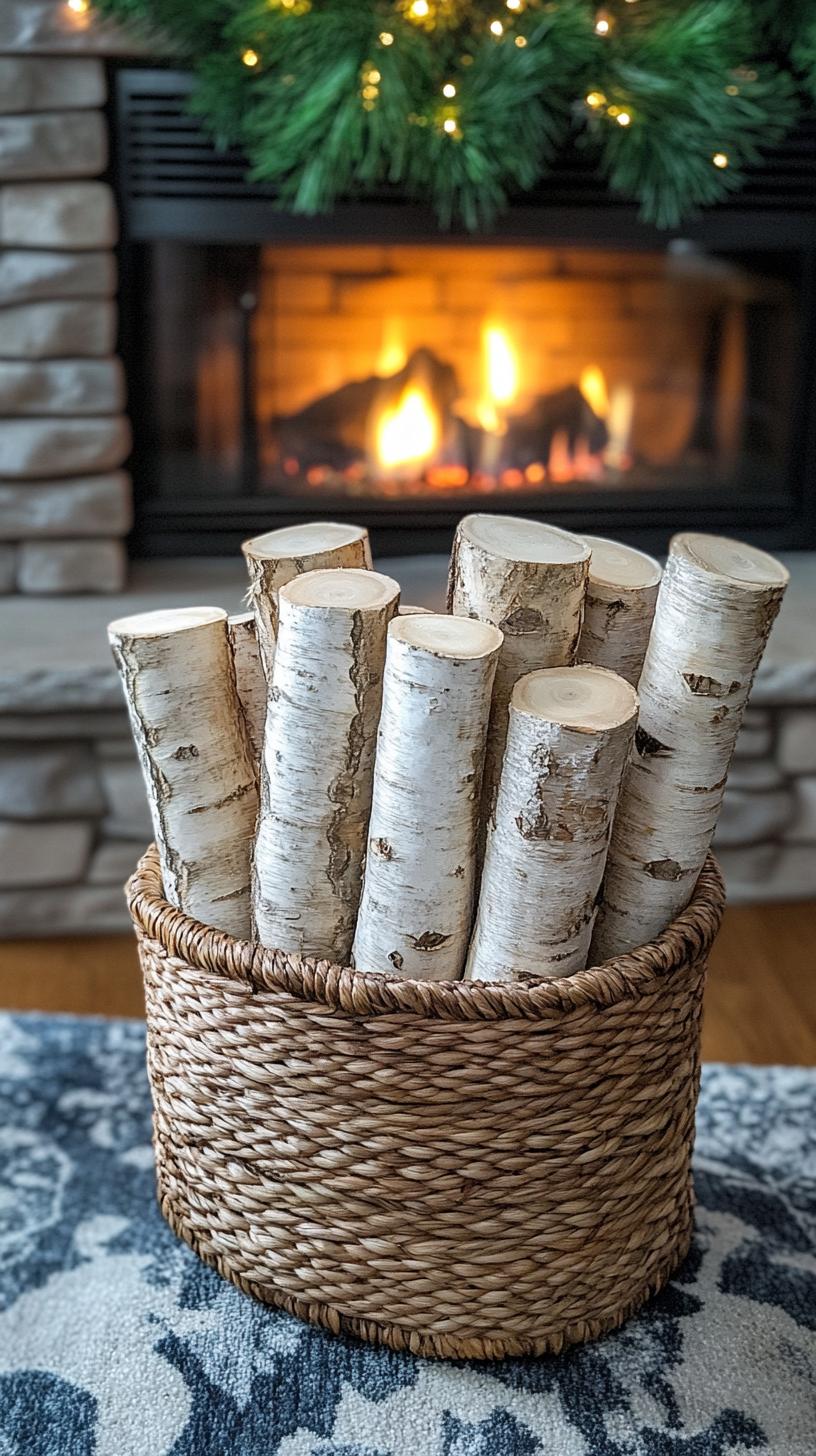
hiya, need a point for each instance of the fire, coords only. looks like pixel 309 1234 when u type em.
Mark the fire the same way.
pixel 593 388
pixel 408 433
pixel 500 369
pixel 393 354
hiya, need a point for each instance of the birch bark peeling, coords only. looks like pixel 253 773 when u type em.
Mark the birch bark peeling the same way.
pixel 716 605
pixel 179 681
pixel 568 742
pixel 529 580
pixel 620 603
pixel 417 900
pixel 279 556
pixel 249 676
pixel 318 759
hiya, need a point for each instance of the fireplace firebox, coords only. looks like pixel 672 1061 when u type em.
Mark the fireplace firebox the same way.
pixel 576 365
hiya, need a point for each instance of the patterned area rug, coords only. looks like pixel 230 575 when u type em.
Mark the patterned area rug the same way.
pixel 115 1341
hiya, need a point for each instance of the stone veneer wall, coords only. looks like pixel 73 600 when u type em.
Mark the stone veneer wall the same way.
pixel 65 504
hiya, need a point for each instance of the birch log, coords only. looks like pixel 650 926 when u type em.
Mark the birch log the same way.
pixel 416 906
pixel 620 604
pixel 279 556
pixel 568 741
pixel 179 681
pixel 716 605
pixel 318 759
pixel 249 675
pixel 529 580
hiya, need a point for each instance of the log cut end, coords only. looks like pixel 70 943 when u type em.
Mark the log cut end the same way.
pixel 588 699
pixel 291 543
pixel 343 588
pixel 521 540
pixel 731 561
pixel 460 638
pixel 615 565
pixel 159 624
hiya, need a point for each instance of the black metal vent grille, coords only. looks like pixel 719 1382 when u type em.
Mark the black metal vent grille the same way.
pixel 165 157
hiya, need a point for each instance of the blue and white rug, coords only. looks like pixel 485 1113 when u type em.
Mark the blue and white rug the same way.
pixel 115 1341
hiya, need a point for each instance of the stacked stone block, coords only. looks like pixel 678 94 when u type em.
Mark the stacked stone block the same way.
pixel 65 504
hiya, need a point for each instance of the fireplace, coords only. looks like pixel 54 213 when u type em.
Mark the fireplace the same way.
pixel 364 366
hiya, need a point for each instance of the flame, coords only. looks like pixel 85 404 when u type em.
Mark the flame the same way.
pixel 393 355
pixel 619 425
pixel 408 433
pixel 593 388
pixel 501 370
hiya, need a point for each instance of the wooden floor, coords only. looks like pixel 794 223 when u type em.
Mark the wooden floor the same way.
pixel 760 1002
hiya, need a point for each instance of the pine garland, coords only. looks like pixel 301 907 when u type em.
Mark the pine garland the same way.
pixel 466 102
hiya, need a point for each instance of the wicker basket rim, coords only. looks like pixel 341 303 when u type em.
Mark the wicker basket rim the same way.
pixel 364 993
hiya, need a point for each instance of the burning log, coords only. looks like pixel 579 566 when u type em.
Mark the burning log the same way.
pixel 716 605
pixel 318 759
pixel 565 412
pixel 620 603
pixel 279 556
pixel 529 580
pixel 568 742
pixel 188 726
pixel 416 905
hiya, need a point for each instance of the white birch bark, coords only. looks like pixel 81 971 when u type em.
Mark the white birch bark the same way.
pixel 279 556
pixel 188 725
pixel 417 901
pixel 620 604
pixel 716 605
pixel 249 676
pixel 529 580
pixel 318 759
pixel 568 742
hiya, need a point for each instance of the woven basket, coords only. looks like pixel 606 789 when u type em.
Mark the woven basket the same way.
pixel 453 1169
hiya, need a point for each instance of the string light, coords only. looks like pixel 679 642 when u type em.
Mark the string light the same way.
pixel 449 125
pixel 603 23
pixel 373 77
pixel 420 9
pixel 79 7
pixel 595 99
pixel 496 28
pixel 386 38
pixel 623 118
pixel 513 4
pixel 521 41
pixel 250 58
pixel 449 90
pixel 720 160
pixel 732 90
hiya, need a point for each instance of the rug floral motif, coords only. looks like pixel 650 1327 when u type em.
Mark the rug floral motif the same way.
pixel 116 1341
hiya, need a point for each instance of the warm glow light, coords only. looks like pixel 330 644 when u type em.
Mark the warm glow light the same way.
pixel 496 27
pixel 408 433
pixel 79 7
pixel 720 160
pixel 420 9
pixel 449 90
pixel 602 25
pixel 623 118
pixel 513 4
pixel 250 58
pixel 393 355
pixel 373 77
pixel 501 369
pixel 449 125
pixel 619 427
pixel 593 387
pixel 595 99
pixel 521 41
pixel 386 38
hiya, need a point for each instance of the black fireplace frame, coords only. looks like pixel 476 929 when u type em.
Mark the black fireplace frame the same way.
pixel 173 185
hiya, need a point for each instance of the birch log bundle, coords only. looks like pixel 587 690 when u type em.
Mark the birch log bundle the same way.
pixel 620 604
pixel 318 759
pixel 529 580
pixel 716 605
pixel 279 556
pixel 177 672
pixel 417 900
pixel 569 736
pixel 249 675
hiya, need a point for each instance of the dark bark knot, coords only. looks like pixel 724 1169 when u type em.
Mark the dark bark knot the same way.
pixel 429 940
pixel 708 687
pixel 665 869
pixel 187 750
pixel 522 621
pixel 648 747
pixel 381 848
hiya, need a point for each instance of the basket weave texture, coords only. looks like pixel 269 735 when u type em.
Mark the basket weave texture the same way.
pixel 455 1169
